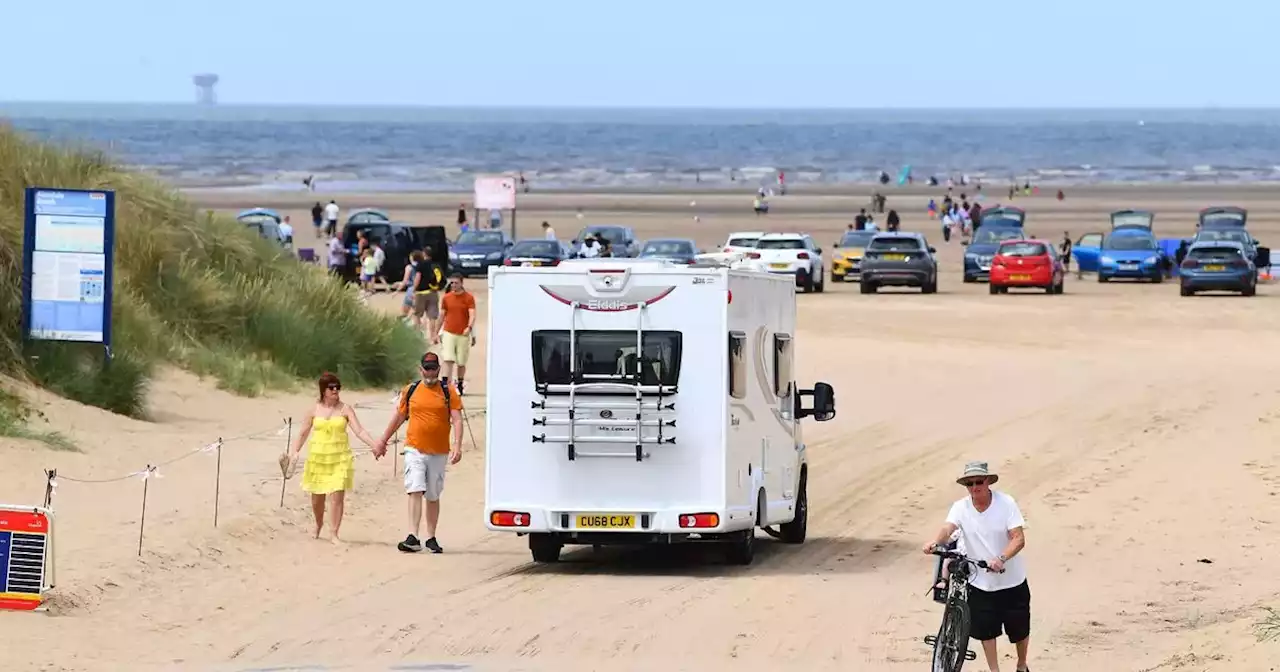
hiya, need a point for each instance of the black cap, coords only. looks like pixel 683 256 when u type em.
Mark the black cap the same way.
pixel 430 360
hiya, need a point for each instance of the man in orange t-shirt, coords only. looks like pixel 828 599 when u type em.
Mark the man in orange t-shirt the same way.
pixel 457 330
pixel 432 409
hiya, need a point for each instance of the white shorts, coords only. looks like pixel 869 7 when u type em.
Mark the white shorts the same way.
pixel 424 473
pixel 455 348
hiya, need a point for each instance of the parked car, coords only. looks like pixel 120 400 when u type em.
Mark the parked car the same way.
pixel 741 241
pixel 1131 252
pixel 1219 265
pixel 790 254
pixel 846 256
pixel 899 260
pixel 622 239
pixel 476 250
pixel 979 253
pixel 537 252
pixel 367 216
pixel 1222 216
pixel 1027 263
pixel 1237 235
pixel 398 240
pixel 1088 248
pixel 680 250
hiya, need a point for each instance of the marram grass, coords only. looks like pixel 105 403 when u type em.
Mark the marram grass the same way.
pixel 197 291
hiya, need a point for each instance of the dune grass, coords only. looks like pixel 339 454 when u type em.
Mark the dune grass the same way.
pixel 1268 627
pixel 191 289
pixel 13 424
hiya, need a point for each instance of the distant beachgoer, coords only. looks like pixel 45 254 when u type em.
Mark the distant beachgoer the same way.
pixel 426 288
pixel 380 258
pixel 406 284
pixel 524 184
pixel 337 256
pixel 1065 247
pixel 317 217
pixel 759 205
pixel 457 331
pixel 329 471
pixel 286 233
pixel 893 222
pixel 368 269
pixel 331 218
pixel 861 220
pixel 590 248
pixel 495 219
pixel 462 214
pixel 548 232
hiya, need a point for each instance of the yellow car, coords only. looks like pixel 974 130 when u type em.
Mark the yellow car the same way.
pixel 846 257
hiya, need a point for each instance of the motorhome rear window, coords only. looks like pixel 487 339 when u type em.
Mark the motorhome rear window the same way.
pixel 606 354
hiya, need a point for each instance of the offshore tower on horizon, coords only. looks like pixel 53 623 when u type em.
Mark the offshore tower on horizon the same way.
pixel 205 91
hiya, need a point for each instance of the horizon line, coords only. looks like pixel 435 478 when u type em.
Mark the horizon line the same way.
pixel 656 108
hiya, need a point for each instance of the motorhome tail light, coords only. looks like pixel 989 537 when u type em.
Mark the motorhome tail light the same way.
pixel 802 255
pixel 509 519
pixel 699 520
pixel 753 255
pixel 731 296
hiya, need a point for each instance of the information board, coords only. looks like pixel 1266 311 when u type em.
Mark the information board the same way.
pixel 67 270
pixel 24 536
pixel 495 193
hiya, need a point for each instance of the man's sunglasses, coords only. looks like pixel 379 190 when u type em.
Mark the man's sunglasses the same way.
pixel 974 483
pixel 431 366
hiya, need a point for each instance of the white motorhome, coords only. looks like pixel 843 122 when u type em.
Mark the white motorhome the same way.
pixel 636 401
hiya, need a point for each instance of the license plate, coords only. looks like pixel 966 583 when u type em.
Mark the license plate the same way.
pixel 606 521
pixel 895 257
pixel 1020 278
pixel 779 266
pixel 1215 268
pixel 470 264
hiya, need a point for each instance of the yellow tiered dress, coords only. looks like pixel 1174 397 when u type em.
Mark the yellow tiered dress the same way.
pixel 330 465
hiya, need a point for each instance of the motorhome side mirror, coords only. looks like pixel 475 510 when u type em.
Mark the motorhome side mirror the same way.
pixel 824 403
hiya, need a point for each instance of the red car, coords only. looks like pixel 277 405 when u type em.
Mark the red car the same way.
pixel 1027 263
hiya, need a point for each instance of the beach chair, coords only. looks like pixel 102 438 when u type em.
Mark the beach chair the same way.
pixel 307 255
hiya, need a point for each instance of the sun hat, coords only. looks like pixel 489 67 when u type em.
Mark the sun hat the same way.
pixel 972 469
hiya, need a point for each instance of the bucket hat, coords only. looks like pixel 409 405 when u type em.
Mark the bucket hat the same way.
pixel 972 469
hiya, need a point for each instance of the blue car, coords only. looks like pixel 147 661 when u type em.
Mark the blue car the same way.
pixel 1220 265
pixel 475 251
pixel 1131 251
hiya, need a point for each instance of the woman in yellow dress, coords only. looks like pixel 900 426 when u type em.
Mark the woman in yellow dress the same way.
pixel 330 468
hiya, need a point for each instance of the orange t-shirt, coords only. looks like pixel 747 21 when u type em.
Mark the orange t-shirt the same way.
pixel 455 306
pixel 428 431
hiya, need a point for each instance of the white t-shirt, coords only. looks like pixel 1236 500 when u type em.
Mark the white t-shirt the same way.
pixel 550 234
pixel 985 535
pixel 331 212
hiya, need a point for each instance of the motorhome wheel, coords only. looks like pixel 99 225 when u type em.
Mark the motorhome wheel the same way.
pixel 794 531
pixel 544 547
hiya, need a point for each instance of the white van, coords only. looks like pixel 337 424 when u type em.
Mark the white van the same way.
pixel 638 402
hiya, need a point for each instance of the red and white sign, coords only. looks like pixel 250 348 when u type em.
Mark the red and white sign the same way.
pixel 495 193
pixel 24 556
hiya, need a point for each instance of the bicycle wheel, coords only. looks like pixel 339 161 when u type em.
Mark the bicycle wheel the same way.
pixel 953 638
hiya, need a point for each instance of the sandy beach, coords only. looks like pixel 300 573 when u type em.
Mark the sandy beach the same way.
pixel 1142 454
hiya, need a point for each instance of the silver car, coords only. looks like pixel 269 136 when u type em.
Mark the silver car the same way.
pixel 899 260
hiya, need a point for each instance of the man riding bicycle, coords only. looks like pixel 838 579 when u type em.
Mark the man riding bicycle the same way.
pixel 991 529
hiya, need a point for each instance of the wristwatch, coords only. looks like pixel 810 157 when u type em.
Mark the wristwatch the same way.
pixel 1002 558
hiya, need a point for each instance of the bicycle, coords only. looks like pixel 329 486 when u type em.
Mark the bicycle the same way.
pixel 951 644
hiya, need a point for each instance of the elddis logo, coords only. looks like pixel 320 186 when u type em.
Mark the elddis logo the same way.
pixel 605 304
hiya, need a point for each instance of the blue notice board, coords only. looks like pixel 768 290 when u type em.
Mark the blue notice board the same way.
pixel 68 254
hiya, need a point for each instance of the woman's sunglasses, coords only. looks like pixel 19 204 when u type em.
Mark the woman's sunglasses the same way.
pixel 334 387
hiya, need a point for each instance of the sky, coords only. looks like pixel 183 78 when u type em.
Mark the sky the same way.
pixel 658 53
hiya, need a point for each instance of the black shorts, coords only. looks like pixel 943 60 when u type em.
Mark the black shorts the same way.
pixel 1009 609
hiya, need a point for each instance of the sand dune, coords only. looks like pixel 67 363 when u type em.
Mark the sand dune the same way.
pixel 1136 428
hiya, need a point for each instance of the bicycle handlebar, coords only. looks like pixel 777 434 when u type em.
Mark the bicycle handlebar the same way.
pixel 943 552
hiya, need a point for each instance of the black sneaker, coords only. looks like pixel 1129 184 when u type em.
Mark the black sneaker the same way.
pixel 432 545
pixel 410 545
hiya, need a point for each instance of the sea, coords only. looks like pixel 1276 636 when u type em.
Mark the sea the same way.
pixel 352 148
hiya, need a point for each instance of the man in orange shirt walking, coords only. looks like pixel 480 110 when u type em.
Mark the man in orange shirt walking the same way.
pixel 457 330
pixel 432 409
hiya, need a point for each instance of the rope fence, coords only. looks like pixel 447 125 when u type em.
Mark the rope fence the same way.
pixel 288 466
